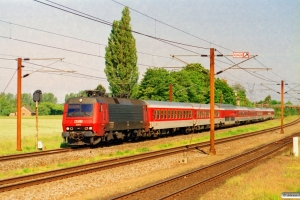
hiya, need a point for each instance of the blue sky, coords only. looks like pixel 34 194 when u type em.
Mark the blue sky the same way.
pixel 269 29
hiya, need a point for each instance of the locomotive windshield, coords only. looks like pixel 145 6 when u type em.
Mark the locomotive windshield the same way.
pixel 80 110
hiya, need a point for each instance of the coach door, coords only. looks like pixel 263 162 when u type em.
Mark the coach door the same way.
pixel 145 118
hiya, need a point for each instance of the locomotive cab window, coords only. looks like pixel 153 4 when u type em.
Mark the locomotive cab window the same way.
pixel 80 110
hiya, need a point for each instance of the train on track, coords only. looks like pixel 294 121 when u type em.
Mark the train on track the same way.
pixel 94 119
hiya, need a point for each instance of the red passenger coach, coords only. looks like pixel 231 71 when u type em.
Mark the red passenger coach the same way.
pixel 169 117
pixel 242 115
pixel 202 116
pixel 268 113
pixel 228 113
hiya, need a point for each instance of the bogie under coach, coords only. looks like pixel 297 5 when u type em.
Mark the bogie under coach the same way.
pixel 94 119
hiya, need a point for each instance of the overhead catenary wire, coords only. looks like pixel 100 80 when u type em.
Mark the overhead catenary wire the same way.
pixel 266 79
pixel 9 81
pixel 74 38
pixel 87 16
pixel 156 20
pixel 49 46
pixel 58 71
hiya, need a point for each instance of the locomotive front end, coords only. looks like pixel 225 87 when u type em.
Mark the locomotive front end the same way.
pixel 80 121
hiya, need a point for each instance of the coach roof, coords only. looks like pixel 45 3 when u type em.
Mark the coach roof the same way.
pixel 164 104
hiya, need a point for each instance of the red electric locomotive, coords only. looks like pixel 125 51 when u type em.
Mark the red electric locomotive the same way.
pixel 90 120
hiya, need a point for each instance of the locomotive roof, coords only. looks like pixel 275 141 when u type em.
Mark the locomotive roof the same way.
pixel 124 101
pixel 84 100
pixel 165 104
pixel 108 100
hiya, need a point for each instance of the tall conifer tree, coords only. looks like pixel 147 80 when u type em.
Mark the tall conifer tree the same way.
pixel 121 58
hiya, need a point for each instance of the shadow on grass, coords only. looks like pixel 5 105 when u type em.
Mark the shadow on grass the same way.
pixel 64 145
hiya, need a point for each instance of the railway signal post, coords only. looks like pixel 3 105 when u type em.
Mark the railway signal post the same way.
pixel 37 97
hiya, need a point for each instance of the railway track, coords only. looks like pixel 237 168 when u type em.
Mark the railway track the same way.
pixel 190 185
pixel 33 179
pixel 63 150
pixel 34 154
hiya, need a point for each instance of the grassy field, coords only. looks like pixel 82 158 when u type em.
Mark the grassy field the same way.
pixel 49 133
pixel 50 129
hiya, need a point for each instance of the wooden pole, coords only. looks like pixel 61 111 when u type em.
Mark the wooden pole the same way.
pixel 19 99
pixel 282 106
pixel 212 101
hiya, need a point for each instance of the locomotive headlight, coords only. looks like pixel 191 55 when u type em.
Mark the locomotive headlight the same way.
pixel 67 128
pixel 90 128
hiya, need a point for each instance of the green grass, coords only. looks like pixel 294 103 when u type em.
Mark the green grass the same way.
pixel 49 132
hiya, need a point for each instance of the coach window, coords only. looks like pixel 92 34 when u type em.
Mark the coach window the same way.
pixel 158 114
pixel 169 117
pixel 161 114
pixel 154 114
pixel 165 113
pixel 179 114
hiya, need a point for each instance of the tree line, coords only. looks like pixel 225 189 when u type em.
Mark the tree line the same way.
pixel 48 105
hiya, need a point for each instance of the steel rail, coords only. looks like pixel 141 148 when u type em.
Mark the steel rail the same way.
pixel 33 154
